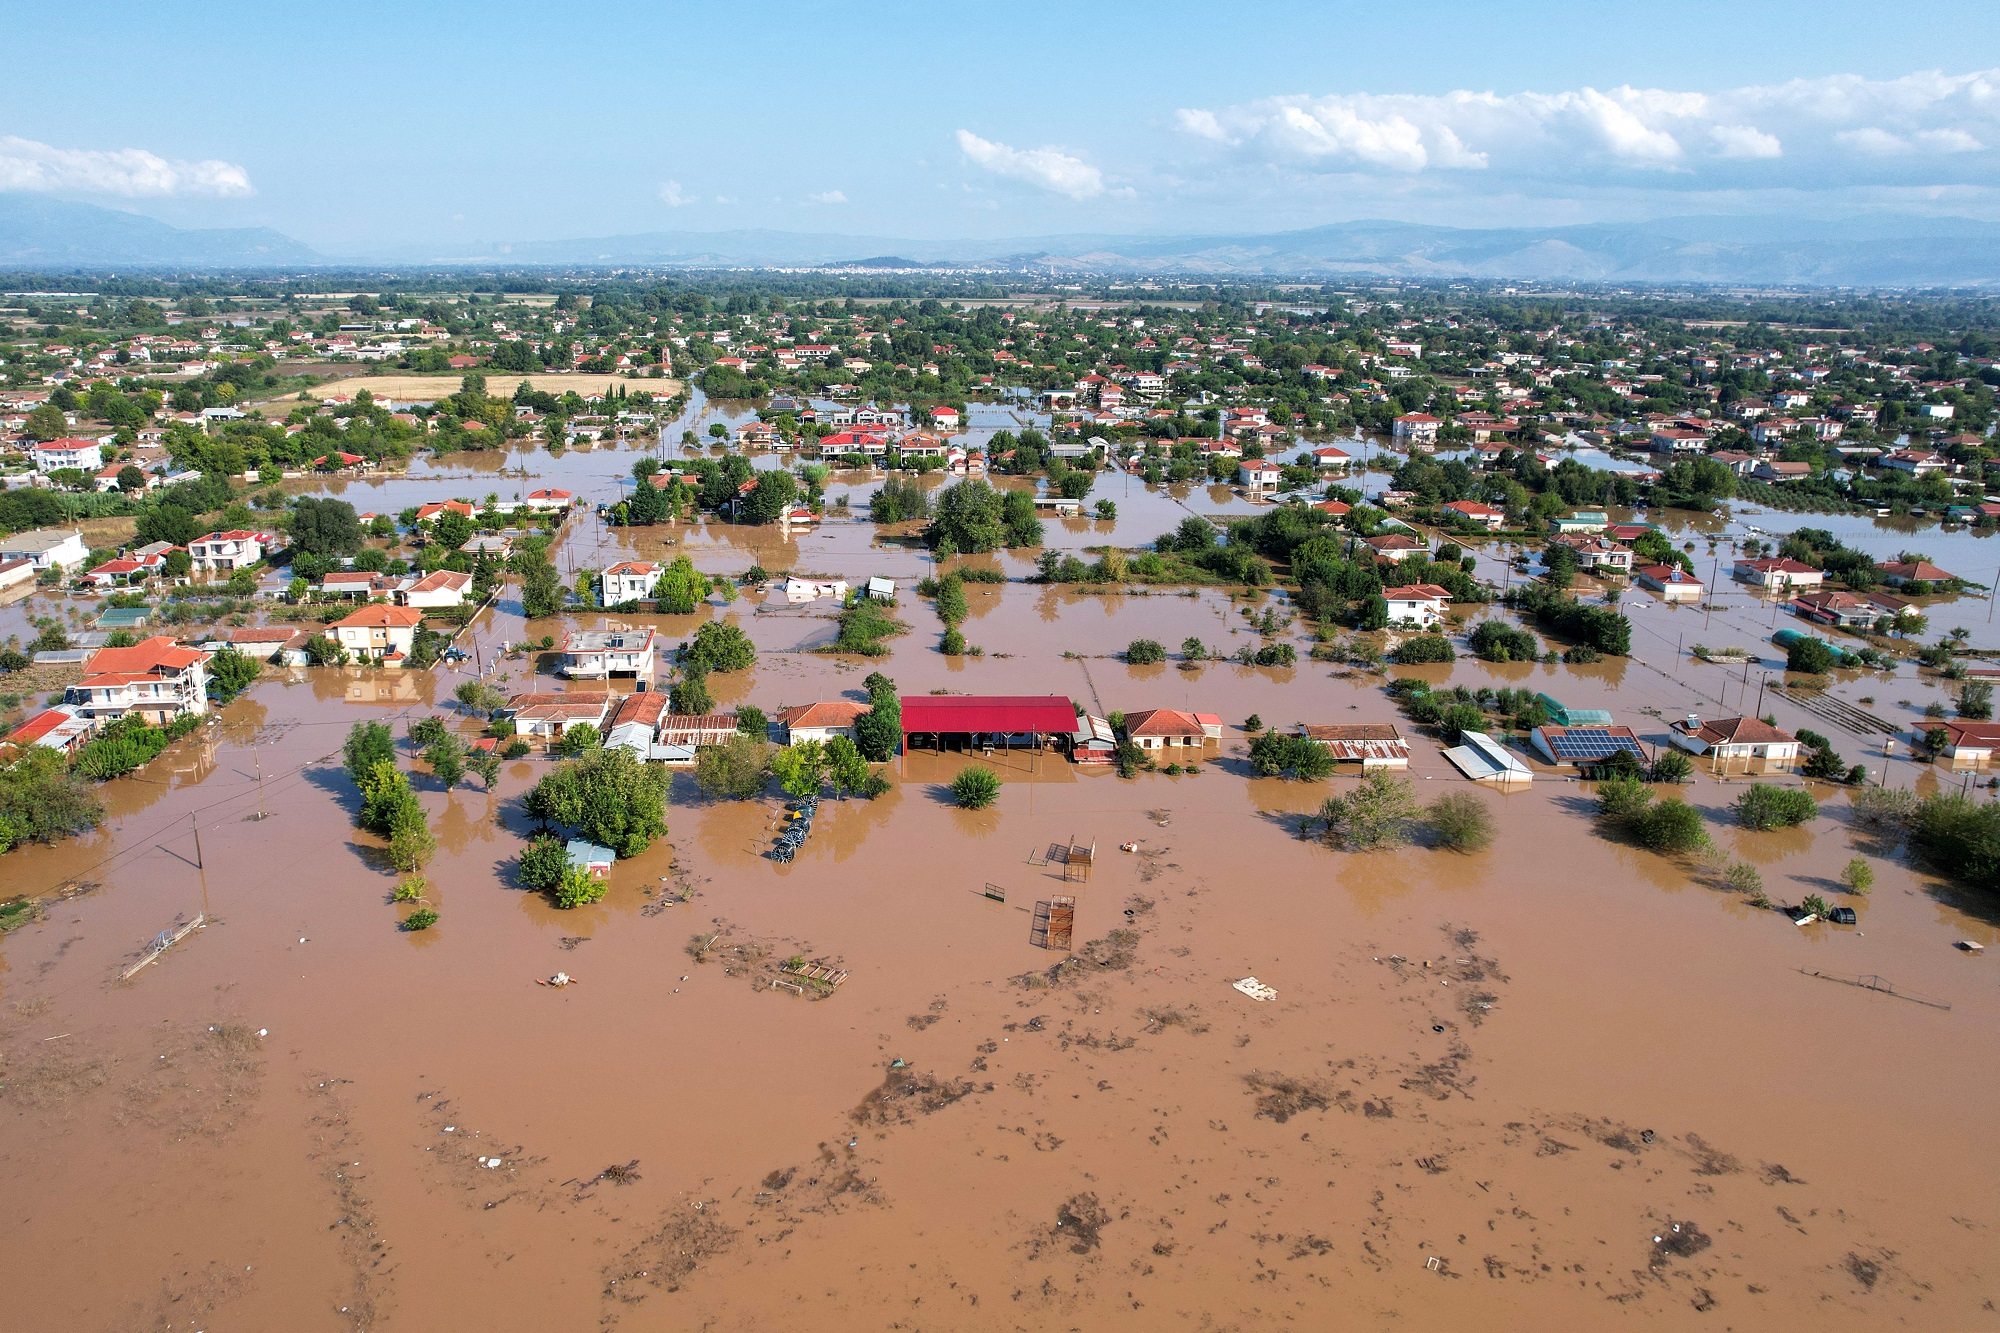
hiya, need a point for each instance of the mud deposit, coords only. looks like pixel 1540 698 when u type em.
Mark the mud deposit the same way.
pixel 1557 1083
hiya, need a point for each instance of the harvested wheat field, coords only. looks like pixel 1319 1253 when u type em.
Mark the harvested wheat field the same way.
pixel 421 388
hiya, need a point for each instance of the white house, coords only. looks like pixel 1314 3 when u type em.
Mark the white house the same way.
pixel 807 590
pixel 629 581
pixel 1419 428
pixel 1673 583
pixel 86 455
pixel 159 679
pixel 597 654
pixel 48 548
pixel 1729 741
pixel 1259 477
pixel 821 721
pixel 1423 603
pixel 446 587
pixel 378 632
pixel 548 716
pixel 1778 573
pixel 224 552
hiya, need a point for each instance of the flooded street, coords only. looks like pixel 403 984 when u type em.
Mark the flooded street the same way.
pixel 1553 1084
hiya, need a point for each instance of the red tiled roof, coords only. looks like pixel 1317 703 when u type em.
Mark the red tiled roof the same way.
pixel 1162 722
pixel 381 617
pixel 833 713
pixel 152 655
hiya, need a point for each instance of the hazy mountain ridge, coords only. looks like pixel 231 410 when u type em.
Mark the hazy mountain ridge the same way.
pixel 1877 250
pixel 39 232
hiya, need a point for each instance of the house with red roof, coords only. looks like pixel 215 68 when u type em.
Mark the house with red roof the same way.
pixel 378 632
pixel 1673 583
pixel 1777 573
pixel 1419 429
pixel 1485 515
pixel 443 588
pixel 820 721
pixel 1419 604
pixel 159 679
pixel 1166 729
pixel 226 552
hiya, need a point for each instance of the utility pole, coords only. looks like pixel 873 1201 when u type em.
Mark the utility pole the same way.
pixel 257 754
pixel 200 861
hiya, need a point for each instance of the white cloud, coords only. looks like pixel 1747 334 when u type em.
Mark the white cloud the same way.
pixel 1744 141
pixel 828 197
pixel 1875 142
pixel 671 196
pixel 1947 141
pixel 131 172
pixel 1871 129
pixel 1054 171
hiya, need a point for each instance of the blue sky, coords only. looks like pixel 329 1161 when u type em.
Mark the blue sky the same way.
pixel 443 128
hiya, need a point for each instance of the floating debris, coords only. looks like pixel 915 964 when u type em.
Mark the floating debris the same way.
pixel 1255 989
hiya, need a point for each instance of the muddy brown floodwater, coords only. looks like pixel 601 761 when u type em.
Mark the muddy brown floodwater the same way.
pixel 1554 1084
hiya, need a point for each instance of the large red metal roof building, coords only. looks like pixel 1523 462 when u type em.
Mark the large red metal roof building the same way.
pixel 1000 714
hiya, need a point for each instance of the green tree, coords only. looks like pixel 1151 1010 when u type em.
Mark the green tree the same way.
pixel 41 800
pixel 411 843
pixel 578 739
pixel 735 769
pixel 46 423
pixel 1975 700
pixel 801 769
pixel 1670 826
pixel 845 767
pixel 1460 821
pixel 446 756
pixel 608 796
pixel 578 887
pixel 1623 798
pixel 690 697
pixel 367 744
pixel 230 673
pixel 452 530
pixel 1423 648
pixel 681 588
pixel 541 588
pixel 1813 657
pixel 478 698
pixel 324 527
pixel 719 645
pixel 542 862
pixel 1144 652
pixel 878 733
pixel 1379 812
pixel 1765 806
pixel 975 788
pixel 751 721
pixel 968 517
pixel 486 764
pixel 774 490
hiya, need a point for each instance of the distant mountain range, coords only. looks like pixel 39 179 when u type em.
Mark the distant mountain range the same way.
pixel 1870 251
pixel 37 232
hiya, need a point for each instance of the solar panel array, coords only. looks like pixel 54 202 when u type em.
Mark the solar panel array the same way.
pixel 1592 743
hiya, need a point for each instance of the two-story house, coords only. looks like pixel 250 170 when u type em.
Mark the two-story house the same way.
pixel 226 552
pixel 598 654
pixel 55 455
pixel 628 581
pixel 378 632
pixel 158 679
